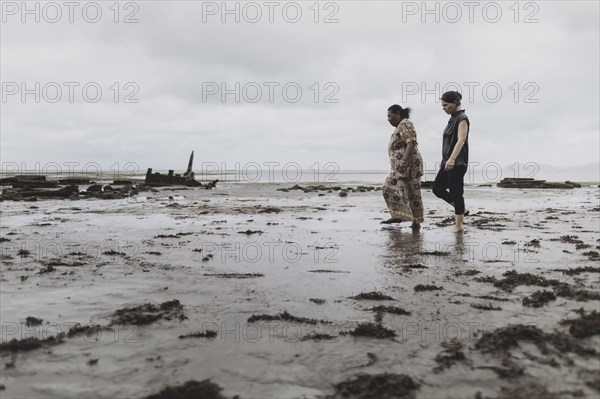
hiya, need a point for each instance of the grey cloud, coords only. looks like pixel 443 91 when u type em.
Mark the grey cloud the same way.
pixel 372 56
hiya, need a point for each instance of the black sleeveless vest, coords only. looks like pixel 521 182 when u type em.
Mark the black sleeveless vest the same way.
pixel 451 137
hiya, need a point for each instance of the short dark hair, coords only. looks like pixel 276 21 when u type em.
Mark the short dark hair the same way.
pixel 451 97
pixel 396 109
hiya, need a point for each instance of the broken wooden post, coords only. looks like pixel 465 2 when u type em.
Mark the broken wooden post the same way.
pixel 188 173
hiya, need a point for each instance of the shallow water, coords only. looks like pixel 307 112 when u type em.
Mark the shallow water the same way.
pixel 267 359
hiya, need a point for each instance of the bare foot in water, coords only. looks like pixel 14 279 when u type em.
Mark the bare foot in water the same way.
pixel 458 223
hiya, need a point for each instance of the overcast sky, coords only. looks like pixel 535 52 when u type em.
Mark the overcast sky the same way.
pixel 305 82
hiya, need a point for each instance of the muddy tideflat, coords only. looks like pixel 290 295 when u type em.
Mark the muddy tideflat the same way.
pixel 513 304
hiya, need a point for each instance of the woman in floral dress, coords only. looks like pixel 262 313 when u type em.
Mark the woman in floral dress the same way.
pixel 402 188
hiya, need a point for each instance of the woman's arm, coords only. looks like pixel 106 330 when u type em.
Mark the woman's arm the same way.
pixel 463 130
pixel 411 137
pixel 409 151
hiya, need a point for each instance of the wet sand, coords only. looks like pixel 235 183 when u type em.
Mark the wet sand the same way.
pixel 274 294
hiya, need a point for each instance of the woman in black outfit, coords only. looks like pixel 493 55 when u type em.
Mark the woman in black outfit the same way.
pixel 449 181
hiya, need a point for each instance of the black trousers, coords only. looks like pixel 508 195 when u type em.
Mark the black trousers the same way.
pixel 449 186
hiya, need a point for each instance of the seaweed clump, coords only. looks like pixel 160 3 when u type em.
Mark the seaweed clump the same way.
pixel 149 313
pixel 378 386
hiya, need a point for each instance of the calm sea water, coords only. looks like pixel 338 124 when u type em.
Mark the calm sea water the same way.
pixel 489 175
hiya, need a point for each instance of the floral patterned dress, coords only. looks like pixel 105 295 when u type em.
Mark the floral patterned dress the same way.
pixel 402 188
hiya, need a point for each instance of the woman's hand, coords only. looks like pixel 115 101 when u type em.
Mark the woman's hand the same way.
pixel 449 164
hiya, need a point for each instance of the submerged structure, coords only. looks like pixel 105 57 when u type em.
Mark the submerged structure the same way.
pixel 532 183
pixel 172 179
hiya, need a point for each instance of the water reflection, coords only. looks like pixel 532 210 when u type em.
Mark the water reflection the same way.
pixel 460 251
pixel 404 246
